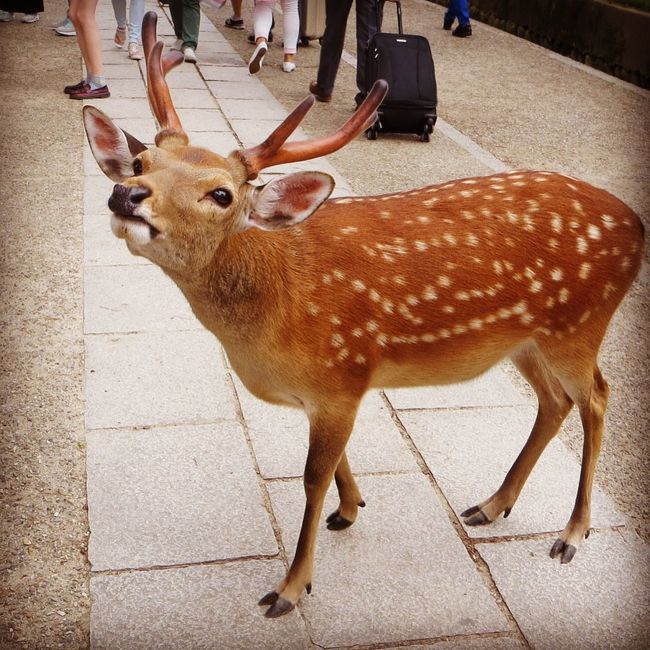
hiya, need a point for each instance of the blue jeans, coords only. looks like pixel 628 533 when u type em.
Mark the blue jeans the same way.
pixel 458 9
pixel 136 14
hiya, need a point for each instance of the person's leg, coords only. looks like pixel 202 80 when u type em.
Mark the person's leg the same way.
pixel 336 18
pixel 262 19
pixel 191 23
pixel 462 11
pixel 291 30
pixel 367 27
pixel 136 14
pixel 119 9
pixel 82 14
pixel 176 11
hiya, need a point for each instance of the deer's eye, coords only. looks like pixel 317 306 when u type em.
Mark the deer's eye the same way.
pixel 137 167
pixel 222 197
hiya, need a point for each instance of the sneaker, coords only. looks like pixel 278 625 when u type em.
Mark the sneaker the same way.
pixel 91 93
pixel 318 94
pixel 135 52
pixel 120 36
pixel 178 45
pixel 462 31
pixel 68 90
pixel 255 62
pixel 6 16
pixel 288 66
pixel 67 29
pixel 30 18
pixel 234 23
pixel 189 54
pixel 61 22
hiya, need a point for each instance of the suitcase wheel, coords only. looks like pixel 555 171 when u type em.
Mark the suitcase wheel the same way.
pixel 371 133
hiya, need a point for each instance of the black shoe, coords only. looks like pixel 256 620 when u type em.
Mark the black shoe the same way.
pixel 462 31
pixel 447 23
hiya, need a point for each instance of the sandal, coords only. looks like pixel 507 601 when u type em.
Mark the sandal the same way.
pixel 120 37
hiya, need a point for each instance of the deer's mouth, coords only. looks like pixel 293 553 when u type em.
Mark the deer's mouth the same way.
pixel 135 219
pixel 133 228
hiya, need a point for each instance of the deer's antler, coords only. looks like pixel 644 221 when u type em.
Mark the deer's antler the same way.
pixel 158 65
pixel 274 151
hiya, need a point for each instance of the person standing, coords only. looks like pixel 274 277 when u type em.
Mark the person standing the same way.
pixel 29 8
pixel 82 15
pixel 368 14
pixel 133 27
pixel 262 24
pixel 186 17
pixel 458 10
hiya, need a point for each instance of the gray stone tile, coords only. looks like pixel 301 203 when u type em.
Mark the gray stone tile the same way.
pixel 125 88
pixel 252 132
pixel 177 81
pixel 599 600
pixel 207 56
pixel 195 99
pixel 494 388
pixel 175 495
pixel 133 299
pixel 208 607
pixel 399 573
pixel 240 89
pixel 220 142
pixel 280 437
pixel 102 248
pixel 155 378
pixel 469 451
pixel 225 73
pixel 203 120
pixel 143 127
pixel 252 109
pixel 492 642
pixel 116 107
pixel 97 190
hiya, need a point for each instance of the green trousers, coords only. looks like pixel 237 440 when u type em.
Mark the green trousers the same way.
pixel 186 16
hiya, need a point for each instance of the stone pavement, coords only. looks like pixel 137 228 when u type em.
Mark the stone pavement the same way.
pixel 194 491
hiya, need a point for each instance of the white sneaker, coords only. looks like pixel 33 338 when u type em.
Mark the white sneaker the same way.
pixel 67 29
pixel 135 52
pixel 6 16
pixel 255 62
pixel 30 18
pixel 178 45
pixel 189 54
pixel 61 22
pixel 288 66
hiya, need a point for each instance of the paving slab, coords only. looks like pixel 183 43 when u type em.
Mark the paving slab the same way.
pixel 134 298
pixel 470 451
pixel 193 98
pixel 601 599
pixel 280 437
pixel 240 89
pixel 203 120
pixel 489 642
pixel 493 388
pixel 198 500
pixel 157 378
pixel 207 607
pixel 375 582
pixel 97 189
pixel 102 248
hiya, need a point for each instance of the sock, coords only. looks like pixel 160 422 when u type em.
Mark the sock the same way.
pixel 95 81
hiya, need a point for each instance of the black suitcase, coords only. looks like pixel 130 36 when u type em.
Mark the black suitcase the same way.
pixel 405 62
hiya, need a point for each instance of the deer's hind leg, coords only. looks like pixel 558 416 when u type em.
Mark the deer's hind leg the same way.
pixel 350 499
pixel 553 406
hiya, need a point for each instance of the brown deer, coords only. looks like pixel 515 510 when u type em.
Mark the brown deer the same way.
pixel 429 286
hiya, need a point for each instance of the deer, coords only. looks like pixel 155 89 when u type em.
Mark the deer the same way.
pixel 317 300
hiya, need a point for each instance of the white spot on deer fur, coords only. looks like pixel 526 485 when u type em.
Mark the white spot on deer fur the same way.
pixel 504 312
pixel 460 329
pixel 374 295
pixel 349 230
pixel 616 251
pixel 571 186
pixel 535 286
pixel 412 300
pixel 388 306
pixel 429 293
pixel 420 246
pixel 526 319
pixel 329 363
pixel 553 244
pixel 444 281
pixel 608 290
pixel 550 302
pixel 486 212
pixel 466 214
pixel 625 263
pixel 450 239
pixel 357 332
pixel 312 309
pixel 327 279
pixel 557 274
pixel 540 179
pixel 384 214
pixel 461 295
pixel 335 320
pixel 337 340
pixel 593 232
pixel 563 296
pixel 387 257
pixel 358 286
pixel 339 275
pixel 476 324
pixel 370 251
pixel 399 280
pixel 423 219
pixel 490 318
pixel 448 309
pixel 529 273
pixel 585 269
pixel 428 338
pixel 360 359
pixel 346 200
pixel 577 206
pixel 498 267
pixel 586 316
pixel 512 217
pixel 472 240
pixel 343 354
pixel 469 181
pixel 581 245
pixel 608 221
pixel 382 340
pixel 519 184
pixel 431 201
pixel 372 326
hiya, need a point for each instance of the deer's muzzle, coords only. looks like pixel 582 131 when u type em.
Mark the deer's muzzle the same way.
pixel 125 199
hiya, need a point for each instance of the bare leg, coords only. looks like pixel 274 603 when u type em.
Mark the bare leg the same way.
pixel 82 15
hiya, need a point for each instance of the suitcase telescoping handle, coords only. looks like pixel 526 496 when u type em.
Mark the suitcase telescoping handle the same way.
pixel 380 13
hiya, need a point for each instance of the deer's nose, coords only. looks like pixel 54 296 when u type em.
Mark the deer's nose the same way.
pixel 125 199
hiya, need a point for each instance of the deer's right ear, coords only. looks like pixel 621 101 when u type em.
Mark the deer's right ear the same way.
pixel 113 148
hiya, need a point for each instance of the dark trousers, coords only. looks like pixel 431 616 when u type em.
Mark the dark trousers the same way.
pixel 25 7
pixel 336 18
pixel 186 16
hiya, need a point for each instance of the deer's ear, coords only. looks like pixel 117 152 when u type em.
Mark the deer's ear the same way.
pixel 289 199
pixel 113 148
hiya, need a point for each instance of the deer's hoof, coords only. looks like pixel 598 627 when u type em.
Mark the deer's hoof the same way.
pixel 563 550
pixel 474 517
pixel 269 599
pixel 280 607
pixel 336 522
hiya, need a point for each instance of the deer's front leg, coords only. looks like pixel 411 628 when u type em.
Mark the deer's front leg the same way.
pixel 328 436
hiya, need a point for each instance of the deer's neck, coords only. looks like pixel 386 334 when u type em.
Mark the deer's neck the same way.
pixel 245 282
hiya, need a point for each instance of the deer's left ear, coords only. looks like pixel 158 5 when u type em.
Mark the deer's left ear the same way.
pixel 113 148
pixel 289 200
